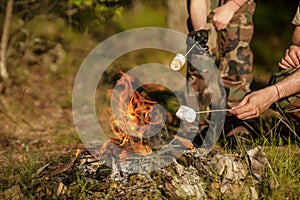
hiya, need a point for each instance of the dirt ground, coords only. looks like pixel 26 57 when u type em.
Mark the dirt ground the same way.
pixel 36 117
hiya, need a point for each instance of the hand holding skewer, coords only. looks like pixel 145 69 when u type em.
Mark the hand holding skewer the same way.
pixel 197 42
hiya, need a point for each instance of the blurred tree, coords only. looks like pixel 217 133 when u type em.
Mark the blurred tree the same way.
pixel 4 39
pixel 136 5
pixel 177 15
pixel 48 23
pixel 39 27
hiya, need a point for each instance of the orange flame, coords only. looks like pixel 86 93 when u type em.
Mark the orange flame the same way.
pixel 133 117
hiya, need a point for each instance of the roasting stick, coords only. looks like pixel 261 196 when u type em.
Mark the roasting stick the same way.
pixel 210 111
pixel 190 49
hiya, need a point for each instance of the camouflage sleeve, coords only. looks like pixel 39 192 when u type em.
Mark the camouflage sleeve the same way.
pixel 296 20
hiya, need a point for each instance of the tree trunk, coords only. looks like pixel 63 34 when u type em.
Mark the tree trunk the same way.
pixel 177 15
pixel 136 5
pixel 4 39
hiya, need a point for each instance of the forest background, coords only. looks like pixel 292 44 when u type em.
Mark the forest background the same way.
pixel 47 40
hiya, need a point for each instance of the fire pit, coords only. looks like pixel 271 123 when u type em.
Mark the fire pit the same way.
pixel 181 171
pixel 123 168
pixel 197 174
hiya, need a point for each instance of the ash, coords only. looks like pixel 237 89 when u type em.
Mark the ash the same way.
pixel 196 174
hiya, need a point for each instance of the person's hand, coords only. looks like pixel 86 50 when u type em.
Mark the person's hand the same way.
pixel 200 37
pixel 223 15
pixel 255 103
pixel 291 59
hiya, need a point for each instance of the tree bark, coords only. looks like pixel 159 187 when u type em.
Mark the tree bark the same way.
pixel 4 40
pixel 177 15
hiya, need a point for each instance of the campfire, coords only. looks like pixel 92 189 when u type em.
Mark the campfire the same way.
pixel 133 116
pixel 197 173
pixel 141 138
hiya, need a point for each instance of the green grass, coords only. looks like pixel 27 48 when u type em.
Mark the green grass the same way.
pixel 280 142
pixel 283 155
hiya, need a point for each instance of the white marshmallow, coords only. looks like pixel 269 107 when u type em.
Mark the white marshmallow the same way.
pixel 177 62
pixel 186 113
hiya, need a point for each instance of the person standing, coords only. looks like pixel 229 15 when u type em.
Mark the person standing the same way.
pixel 230 30
pixel 229 25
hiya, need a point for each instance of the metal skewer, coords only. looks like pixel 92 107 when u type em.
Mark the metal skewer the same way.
pixel 210 111
pixel 190 49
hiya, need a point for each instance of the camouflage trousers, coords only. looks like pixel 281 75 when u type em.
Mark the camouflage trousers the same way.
pixel 231 51
pixel 204 91
pixel 290 105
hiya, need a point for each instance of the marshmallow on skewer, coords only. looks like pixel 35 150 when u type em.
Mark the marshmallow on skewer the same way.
pixel 177 62
pixel 186 113
pixel 189 114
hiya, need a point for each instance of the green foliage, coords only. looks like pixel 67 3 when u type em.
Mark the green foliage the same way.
pixel 82 2
pixel 148 16
pixel 92 15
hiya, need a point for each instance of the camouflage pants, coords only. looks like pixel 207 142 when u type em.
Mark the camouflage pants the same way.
pixel 233 57
pixel 204 91
pixel 291 104
pixel 231 52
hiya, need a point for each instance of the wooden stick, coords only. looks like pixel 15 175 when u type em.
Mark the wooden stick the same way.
pixel 190 49
pixel 210 111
